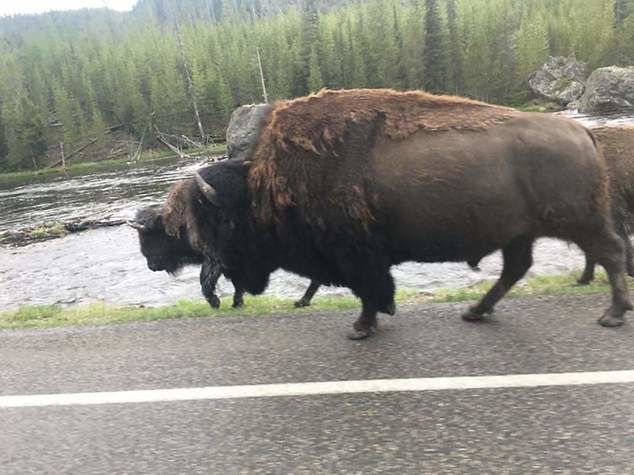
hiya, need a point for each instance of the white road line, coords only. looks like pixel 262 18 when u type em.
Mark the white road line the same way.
pixel 320 388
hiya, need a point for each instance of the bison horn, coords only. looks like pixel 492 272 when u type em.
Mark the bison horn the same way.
pixel 207 190
pixel 135 225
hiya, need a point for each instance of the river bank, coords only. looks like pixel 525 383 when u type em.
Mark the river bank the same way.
pixel 149 156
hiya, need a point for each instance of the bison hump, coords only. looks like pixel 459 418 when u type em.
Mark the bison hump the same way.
pixel 313 152
pixel 318 121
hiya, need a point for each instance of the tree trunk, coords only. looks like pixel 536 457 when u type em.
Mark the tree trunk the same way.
pixel 190 85
pixel 266 97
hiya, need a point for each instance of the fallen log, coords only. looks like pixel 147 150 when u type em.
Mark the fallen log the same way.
pixel 83 147
pixel 160 136
pixel 52 230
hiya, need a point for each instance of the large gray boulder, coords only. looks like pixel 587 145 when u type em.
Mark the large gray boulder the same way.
pixel 609 90
pixel 560 79
pixel 244 129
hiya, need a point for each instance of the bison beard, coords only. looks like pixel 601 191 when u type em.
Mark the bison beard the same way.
pixel 343 185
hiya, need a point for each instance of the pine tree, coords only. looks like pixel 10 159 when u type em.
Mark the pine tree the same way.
pixel 4 147
pixel 627 39
pixel 330 64
pixel 400 78
pixel 282 74
pixel 340 59
pixel 358 55
pixel 532 46
pixel 309 43
pixel 456 72
pixel 64 113
pixel 621 11
pixel 315 80
pixel 27 138
pixel 34 142
pixel 434 57
pixel 413 45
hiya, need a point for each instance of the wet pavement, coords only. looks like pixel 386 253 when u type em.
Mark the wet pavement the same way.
pixel 565 429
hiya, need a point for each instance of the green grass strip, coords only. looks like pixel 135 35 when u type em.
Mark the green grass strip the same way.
pixel 97 314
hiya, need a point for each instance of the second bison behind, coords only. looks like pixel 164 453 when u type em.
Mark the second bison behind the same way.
pixel 344 184
pixel 617 145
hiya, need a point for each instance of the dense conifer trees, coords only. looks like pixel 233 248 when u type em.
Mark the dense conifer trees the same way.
pixel 70 76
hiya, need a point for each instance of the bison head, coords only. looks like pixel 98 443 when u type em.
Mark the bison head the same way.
pixel 247 252
pixel 162 250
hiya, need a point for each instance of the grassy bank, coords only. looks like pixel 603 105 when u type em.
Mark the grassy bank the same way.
pixel 97 314
pixel 537 105
pixel 91 167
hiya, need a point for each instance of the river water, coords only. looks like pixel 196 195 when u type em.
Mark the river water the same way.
pixel 105 264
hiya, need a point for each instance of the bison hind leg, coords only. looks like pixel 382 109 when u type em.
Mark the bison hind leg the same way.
pixel 588 272
pixel 608 249
pixel 518 258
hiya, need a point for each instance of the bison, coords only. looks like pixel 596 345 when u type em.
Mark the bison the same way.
pixel 172 254
pixel 242 133
pixel 342 185
pixel 617 144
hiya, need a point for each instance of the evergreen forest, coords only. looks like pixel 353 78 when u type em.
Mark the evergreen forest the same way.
pixel 69 77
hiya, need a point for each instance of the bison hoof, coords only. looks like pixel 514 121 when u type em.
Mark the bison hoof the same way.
pixel 471 316
pixel 390 309
pixel 214 302
pixel 361 333
pixel 584 281
pixel 611 321
pixel 301 303
pixel 238 304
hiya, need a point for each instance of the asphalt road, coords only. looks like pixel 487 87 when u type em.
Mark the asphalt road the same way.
pixel 547 429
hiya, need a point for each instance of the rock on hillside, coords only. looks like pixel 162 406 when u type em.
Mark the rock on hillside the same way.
pixel 608 90
pixel 244 129
pixel 560 79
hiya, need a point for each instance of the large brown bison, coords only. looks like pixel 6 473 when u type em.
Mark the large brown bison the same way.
pixel 617 144
pixel 344 184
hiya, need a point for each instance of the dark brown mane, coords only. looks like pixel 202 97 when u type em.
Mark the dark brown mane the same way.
pixel 177 213
pixel 310 143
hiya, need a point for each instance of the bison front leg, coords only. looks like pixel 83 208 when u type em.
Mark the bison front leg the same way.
pixel 238 295
pixel 377 295
pixel 308 295
pixel 366 324
pixel 209 274
pixel 518 258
